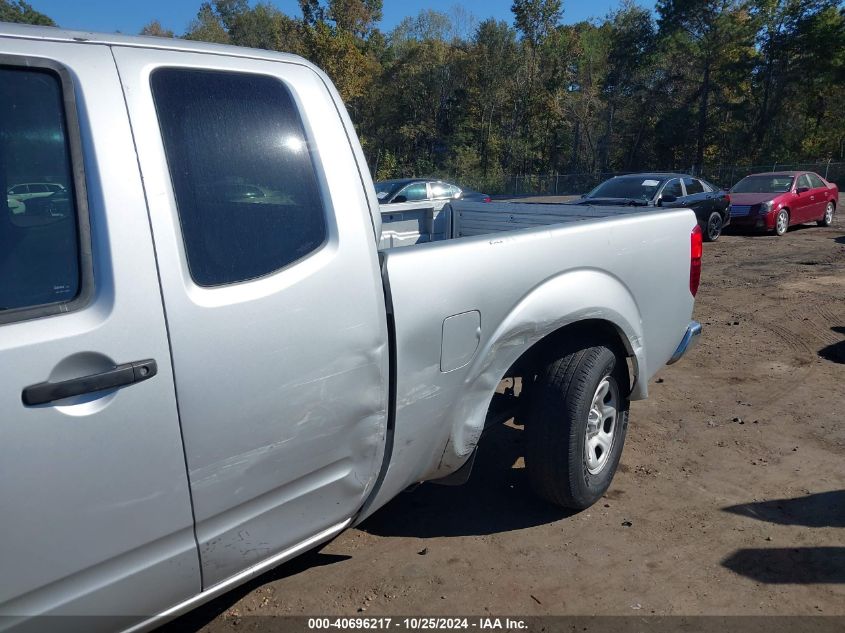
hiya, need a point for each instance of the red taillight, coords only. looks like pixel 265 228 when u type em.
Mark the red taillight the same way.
pixel 728 198
pixel 695 252
pixel 486 198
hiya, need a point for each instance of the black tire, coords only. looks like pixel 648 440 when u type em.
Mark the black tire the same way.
pixel 781 227
pixel 556 453
pixel 827 218
pixel 713 227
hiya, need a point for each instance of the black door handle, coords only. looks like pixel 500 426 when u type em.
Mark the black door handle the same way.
pixel 119 376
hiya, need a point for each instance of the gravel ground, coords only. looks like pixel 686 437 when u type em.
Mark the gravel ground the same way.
pixel 729 500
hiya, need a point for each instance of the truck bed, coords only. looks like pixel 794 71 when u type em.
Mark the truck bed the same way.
pixel 411 223
pixel 465 310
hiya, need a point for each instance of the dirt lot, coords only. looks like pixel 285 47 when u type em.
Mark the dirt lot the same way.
pixel 730 497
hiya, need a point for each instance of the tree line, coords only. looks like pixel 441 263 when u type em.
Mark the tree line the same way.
pixel 690 84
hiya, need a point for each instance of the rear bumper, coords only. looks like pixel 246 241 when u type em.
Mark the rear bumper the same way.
pixel 687 343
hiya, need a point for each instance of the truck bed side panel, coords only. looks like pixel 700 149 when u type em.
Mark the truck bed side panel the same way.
pixel 632 271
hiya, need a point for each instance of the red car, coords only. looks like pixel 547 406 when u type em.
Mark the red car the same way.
pixel 777 200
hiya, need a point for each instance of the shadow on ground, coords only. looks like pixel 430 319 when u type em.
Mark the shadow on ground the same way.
pixel 201 616
pixel 496 498
pixel 793 565
pixel 823 509
pixel 835 352
pixel 748 231
pixel 790 565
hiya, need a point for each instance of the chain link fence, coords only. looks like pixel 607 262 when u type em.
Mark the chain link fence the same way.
pixel 724 176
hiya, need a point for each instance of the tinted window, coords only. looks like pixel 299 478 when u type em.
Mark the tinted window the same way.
pixel 417 191
pixel 386 189
pixel 815 181
pixel 39 256
pixel 673 188
pixel 635 187
pixel 693 186
pixel 777 183
pixel 244 180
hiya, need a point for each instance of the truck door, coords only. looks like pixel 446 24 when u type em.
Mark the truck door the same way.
pixel 273 297
pixel 95 512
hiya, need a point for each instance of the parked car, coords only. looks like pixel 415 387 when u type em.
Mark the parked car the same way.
pixel 194 389
pixel 777 200
pixel 244 193
pixel 28 190
pixel 709 203
pixel 416 189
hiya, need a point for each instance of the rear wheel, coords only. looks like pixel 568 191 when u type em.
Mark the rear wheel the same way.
pixel 578 419
pixel 714 227
pixel 827 218
pixel 782 222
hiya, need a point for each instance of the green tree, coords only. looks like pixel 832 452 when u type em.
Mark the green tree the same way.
pixel 208 26
pixel 264 26
pixel 715 39
pixel 535 20
pixel 155 29
pixel 706 82
pixel 354 16
pixel 22 13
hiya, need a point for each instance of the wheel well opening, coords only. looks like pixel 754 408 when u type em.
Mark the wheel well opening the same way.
pixel 509 401
pixel 579 334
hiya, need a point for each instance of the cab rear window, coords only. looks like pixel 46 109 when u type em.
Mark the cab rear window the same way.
pixel 245 184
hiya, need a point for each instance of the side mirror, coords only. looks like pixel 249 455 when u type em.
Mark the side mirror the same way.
pixel 400 199
pixel 802 190
pixel 583 195
pixel 667 198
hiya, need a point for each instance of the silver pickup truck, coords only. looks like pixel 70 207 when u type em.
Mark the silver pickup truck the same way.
pixel 217 351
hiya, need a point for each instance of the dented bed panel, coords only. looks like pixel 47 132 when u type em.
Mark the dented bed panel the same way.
pixel 524 284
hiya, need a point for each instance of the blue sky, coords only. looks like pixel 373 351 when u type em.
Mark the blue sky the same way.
pixel 129 16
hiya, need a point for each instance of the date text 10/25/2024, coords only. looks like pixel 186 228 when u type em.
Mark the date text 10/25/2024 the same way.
pixel 418 623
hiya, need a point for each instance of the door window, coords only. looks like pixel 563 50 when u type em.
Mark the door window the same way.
pixel 693 186
pixel 245 184
pixel 673 188
pixel 815 181
pixel 414 192
pixel 39 243
pixel 804 182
